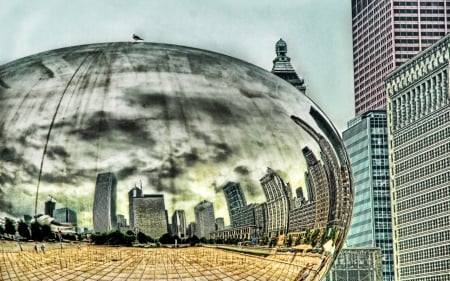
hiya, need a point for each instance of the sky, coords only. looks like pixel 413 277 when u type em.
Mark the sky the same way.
pixel 318 34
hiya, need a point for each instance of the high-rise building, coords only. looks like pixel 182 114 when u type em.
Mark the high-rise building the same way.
pixel 419 159
pixel 282 67
pixel 179 225
pixel 278 202
pixel 366 142
pixel 205 222
pixel 235 198
pixel 192 229
pixel 50 205
pixel 65 215
pixel 261 219
pixel 105 202
pixel 133 193
pixel 150 215
pixel 220 224
pixel 386 33
pixel 121 221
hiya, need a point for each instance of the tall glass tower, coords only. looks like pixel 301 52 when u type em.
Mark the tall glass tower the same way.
pixel 366 142
pixel 386 33
pixel 105 197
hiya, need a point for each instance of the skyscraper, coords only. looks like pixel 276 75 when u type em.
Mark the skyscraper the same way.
pixel 133 193
pixel 105 202
pixel 50 205
pixel 150 215
pixel 205 222
pixel 366 142
pixel 419 159
pixel 279 198
pixel 282 67
pixel 386 33
pixel 220 224
pixel 235 198
pixel 179 224
pixel 65 215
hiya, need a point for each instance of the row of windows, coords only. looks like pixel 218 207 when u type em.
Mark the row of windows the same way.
pixel 423 213
pixel 423 143
pixel 433 238
pixel 423 185
pixel 422 158
pixel 425 267
pixel 425 254
pixel 432 33
pixel 424 128
pixel 406 25
pixel 424 226
pixel 404 56
pixel 426 170
pixel 445 277
pixel 424 198
pixel 407 49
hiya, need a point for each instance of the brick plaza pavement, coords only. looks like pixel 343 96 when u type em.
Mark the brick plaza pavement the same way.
pixel 123 263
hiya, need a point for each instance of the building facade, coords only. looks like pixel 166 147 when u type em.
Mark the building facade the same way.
pixel 355 264
pixel 386 33
pixel 234 195
pixel 65 215
pixel 278 203
pixel 366 142
pixel 220 224
pixel 133 193
pixel 105 197
pixel 150 215
pixel 419 159
pixel 205 221
pixel 179 224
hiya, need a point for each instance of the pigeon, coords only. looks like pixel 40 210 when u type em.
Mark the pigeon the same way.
pixel 137 38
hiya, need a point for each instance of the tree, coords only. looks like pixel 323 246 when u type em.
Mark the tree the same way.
pixel 142 238
pixel 2 230
pixel 9 226
pixel 23 229
pixel 166 239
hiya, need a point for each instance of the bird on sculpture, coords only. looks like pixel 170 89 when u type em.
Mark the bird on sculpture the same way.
pixel 137 38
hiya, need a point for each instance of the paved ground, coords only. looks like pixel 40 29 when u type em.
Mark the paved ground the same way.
pixel 122 263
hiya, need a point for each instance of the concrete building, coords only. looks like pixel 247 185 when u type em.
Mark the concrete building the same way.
pixel 366 142
pixel 205 221
pixel 355 264
pixel 419 159
pixel 65 215
pixel 234 195
pixel 121 221
pixel 133 193
pixel 220 224
pixel 386 33
pixel 261 219
pixel 282 67
pixel 105 202
pixel 192 229
pixel 150 215
pixel 179 224
pixel 303 217
pixel 50 206
pixel 278 202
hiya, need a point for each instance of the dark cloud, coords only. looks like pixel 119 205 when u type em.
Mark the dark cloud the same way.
pixel 242 170
pixel 3 84
pixel 8 154
pixel 126 172
pixel 54 152
pixel 222 152
pixel 104 124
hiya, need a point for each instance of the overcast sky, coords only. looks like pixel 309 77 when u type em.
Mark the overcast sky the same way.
pixel 318 34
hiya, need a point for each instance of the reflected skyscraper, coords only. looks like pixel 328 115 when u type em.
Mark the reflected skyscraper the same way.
pixel 205 222
pixel 133 193
pixel 235 200
pixel 65 215
pixel 278 202
pixel 179 225
pixel 105 197
pixel 50 205
pixel 150 215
